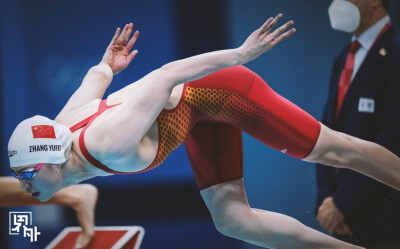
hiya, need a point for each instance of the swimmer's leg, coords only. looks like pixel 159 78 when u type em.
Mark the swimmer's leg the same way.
pixel 215 153
pixel 241 98
pixel 341 150
pixel 82 198
pixel 280 124
pixel 233 217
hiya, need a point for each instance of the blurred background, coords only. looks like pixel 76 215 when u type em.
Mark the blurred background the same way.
pixel 47 46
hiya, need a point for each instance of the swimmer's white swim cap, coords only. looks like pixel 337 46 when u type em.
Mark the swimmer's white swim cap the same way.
pixel 39 140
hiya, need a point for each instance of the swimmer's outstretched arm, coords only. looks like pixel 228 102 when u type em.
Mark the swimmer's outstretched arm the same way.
pixel 116 58
pixel 259 42
pixel 155 88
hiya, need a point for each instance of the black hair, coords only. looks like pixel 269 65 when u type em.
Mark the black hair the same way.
pixel 385 4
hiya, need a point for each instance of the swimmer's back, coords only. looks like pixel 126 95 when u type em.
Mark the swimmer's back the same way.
pixel 109 153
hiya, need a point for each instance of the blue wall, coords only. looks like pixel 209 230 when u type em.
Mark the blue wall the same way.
pixel 51 45
pixel 48 46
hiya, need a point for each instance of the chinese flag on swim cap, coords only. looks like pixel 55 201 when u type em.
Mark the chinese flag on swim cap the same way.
pixel 43 131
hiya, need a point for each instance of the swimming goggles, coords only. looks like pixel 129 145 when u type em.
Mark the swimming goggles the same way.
pixel 28 173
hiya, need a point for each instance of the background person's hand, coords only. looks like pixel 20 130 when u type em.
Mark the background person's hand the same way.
pixel 118 55
pixel 329 216
pixel 262 40
pixel 343 229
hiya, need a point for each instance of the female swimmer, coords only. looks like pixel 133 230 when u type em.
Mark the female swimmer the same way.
pixel 204 101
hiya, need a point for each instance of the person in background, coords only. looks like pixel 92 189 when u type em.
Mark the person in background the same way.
pixel 82 198
pixel 363 101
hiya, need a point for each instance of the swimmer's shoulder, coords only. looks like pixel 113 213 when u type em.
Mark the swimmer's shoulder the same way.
pixel 77 115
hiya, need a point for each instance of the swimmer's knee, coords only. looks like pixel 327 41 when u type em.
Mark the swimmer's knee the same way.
pixel 333 148
pixel 232 223
pixel 227 227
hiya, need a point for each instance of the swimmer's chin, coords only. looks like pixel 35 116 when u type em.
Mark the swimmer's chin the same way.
pixel 43 198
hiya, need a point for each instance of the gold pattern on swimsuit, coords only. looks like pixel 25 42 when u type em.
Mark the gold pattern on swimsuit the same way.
pixel 219 105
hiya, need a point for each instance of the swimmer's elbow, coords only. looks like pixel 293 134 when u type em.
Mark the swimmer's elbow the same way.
pixel 168 75
pixel 176 73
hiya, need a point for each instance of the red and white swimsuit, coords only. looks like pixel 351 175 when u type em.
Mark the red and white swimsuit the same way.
pixel 209 118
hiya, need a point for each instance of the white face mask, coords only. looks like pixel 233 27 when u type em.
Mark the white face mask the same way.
pixel 344 16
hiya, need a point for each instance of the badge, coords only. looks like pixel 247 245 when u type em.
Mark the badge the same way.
pixel 382 52
pixel 366 105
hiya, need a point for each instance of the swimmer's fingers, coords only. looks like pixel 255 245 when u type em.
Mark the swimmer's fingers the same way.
pixel 114 39
pixel 132 55
pixel 279 34
pixel 282 29
pixel 268 26
pixel 265 26
pixel 121 39
pixel 128 33
pixel 132 41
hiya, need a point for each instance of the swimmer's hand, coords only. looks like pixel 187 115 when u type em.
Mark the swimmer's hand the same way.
pixel 118 55
pixel 263 39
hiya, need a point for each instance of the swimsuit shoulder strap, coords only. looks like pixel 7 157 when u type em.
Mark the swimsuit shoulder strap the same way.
pixel 87 122
pixel 80 124
pixel 102 107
